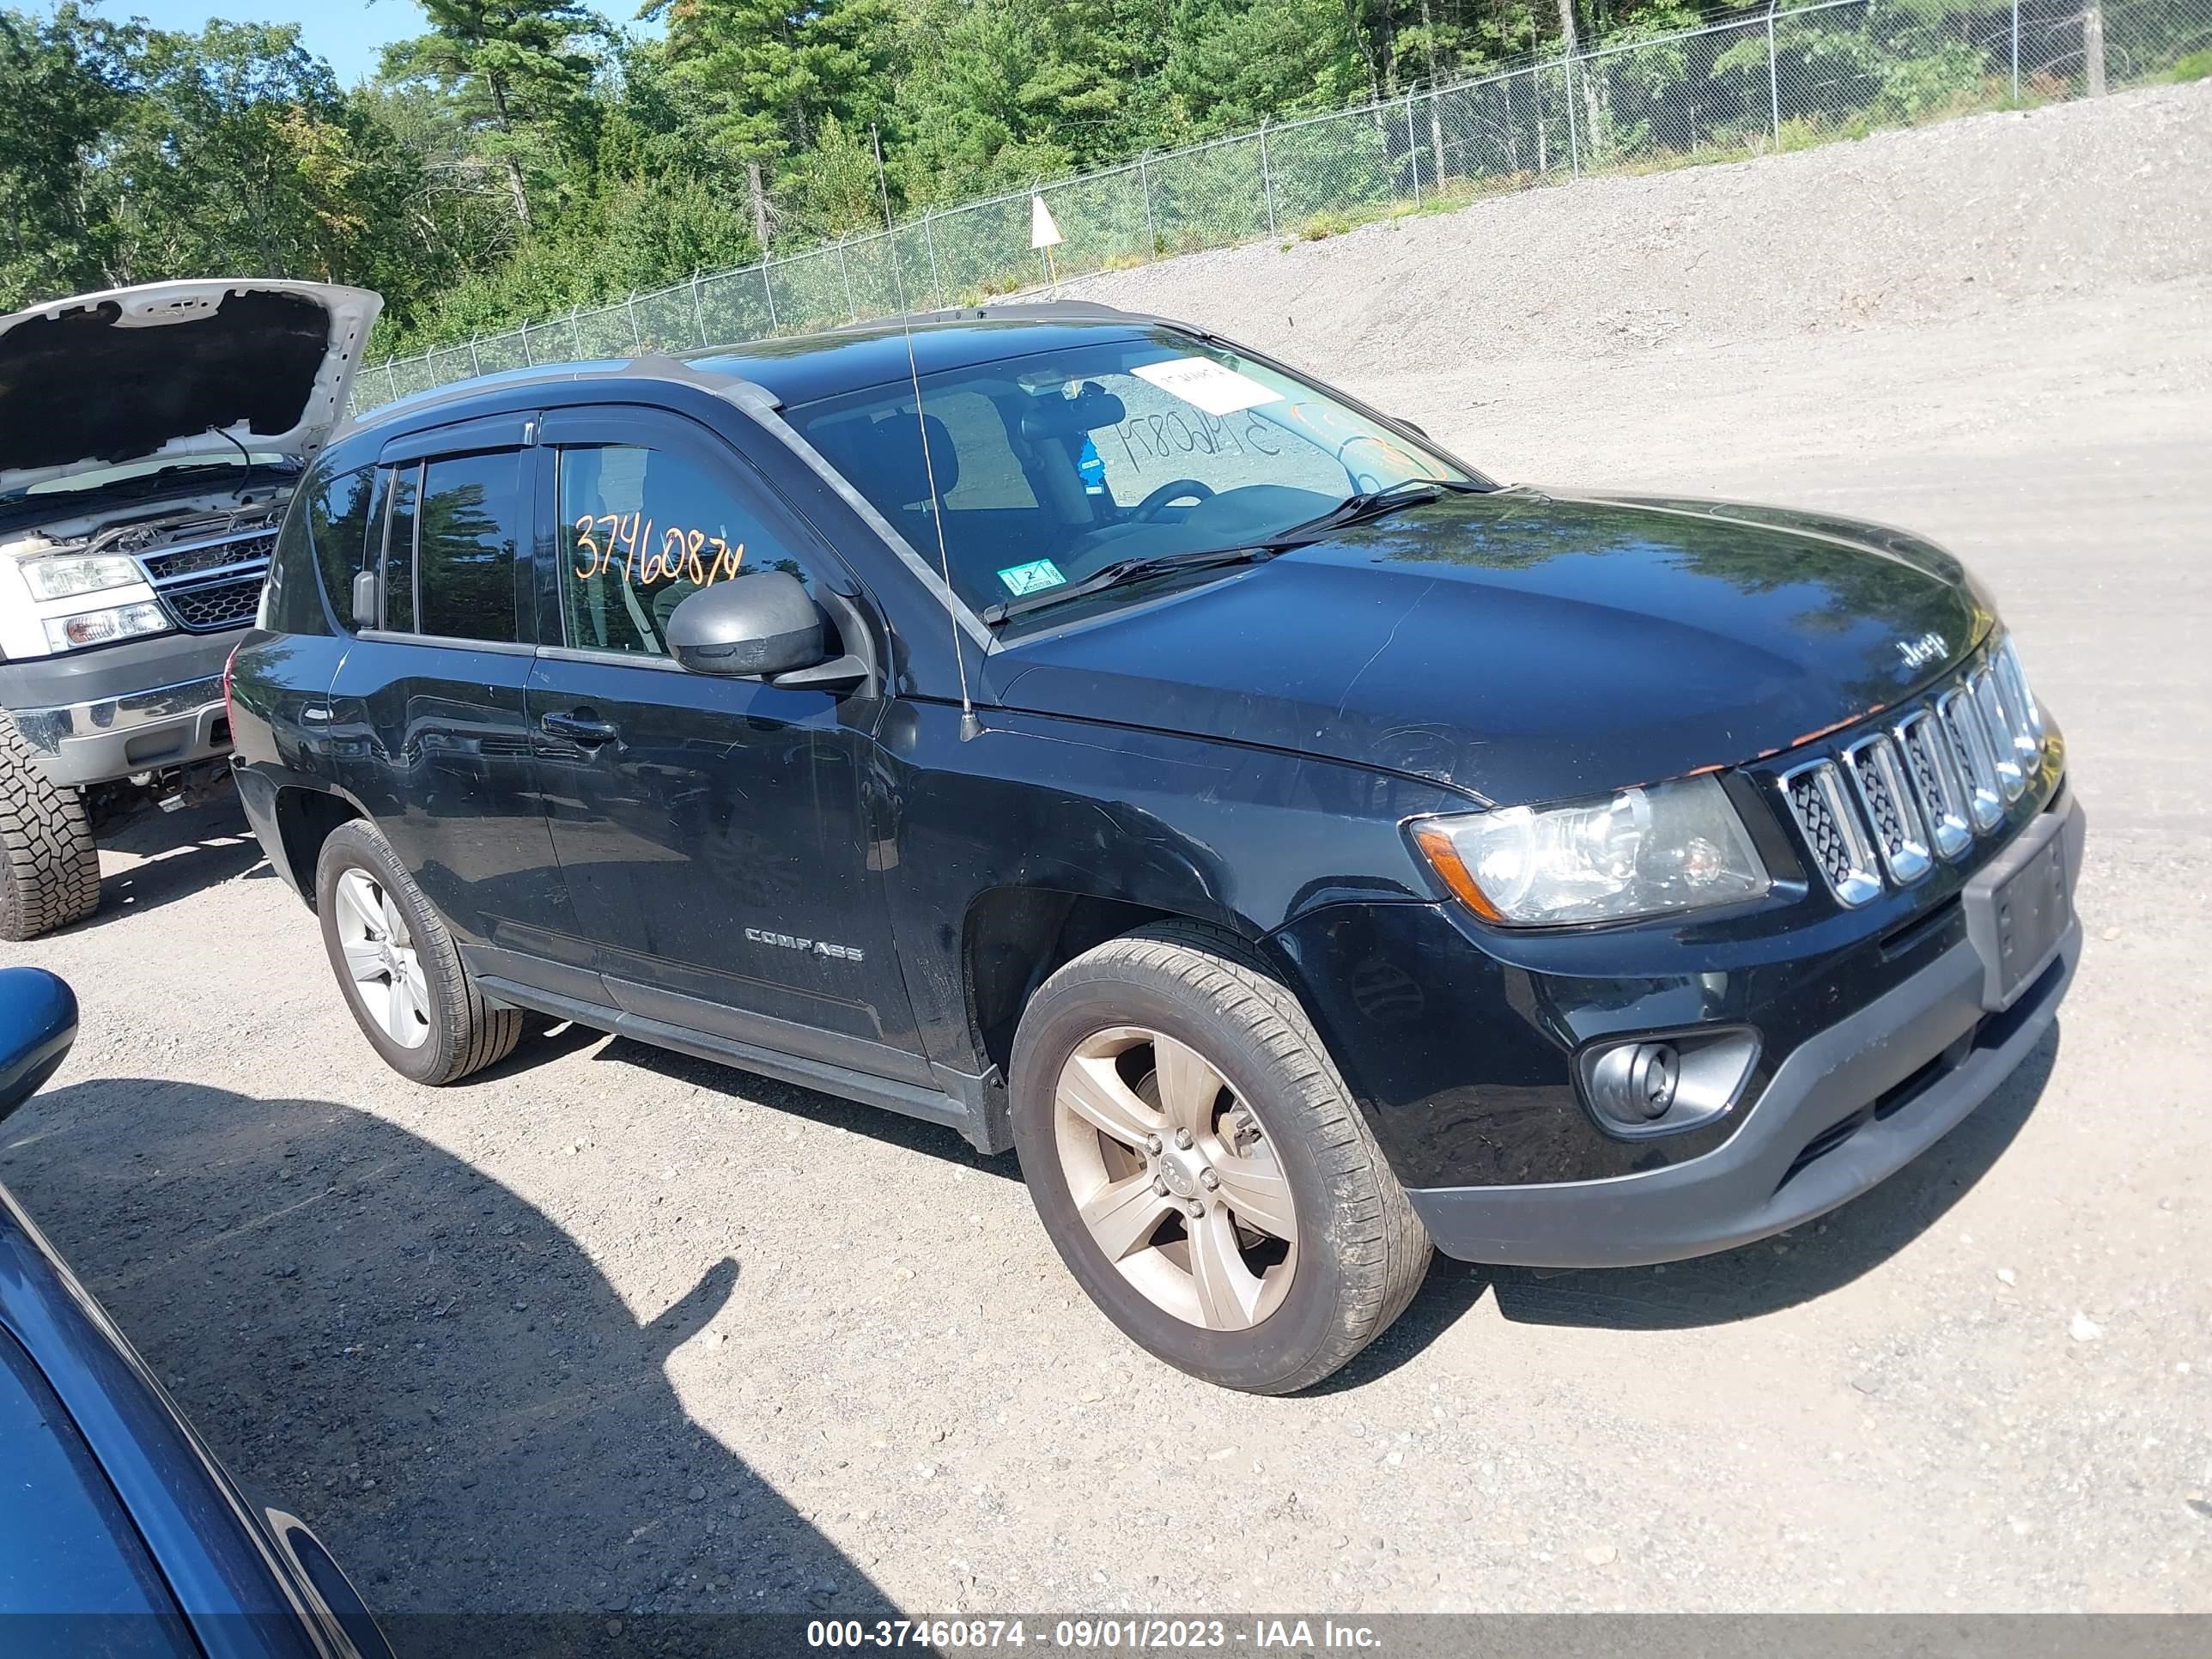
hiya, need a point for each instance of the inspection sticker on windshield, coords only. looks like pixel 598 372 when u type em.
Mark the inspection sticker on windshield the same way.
pixel 1207 385
pixel 1031 578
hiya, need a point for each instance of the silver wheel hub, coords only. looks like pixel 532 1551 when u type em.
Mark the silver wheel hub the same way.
pixel 381 970
pixel 1175 1179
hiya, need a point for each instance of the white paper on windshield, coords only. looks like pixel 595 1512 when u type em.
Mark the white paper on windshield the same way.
pixel 1206 384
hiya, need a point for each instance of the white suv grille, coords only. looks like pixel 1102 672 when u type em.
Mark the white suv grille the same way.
pixel 1925 788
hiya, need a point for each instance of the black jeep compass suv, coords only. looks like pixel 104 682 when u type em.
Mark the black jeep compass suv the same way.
pixel 1078 730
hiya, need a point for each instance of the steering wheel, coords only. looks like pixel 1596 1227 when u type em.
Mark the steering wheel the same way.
pixel 1148 509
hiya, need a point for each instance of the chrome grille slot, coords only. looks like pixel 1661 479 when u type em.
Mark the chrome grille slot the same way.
pixel 1897 835
pixel 1977 766
pixel 1932 768
pixel 2020 703
pixel 1831 830
pixel 1997 729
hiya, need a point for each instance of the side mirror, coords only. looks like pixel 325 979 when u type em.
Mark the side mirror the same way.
pixel 757 625
pixel 38 1023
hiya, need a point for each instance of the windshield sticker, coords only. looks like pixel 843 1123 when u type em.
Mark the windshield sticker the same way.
pixel 1206 384
pixel 1033 578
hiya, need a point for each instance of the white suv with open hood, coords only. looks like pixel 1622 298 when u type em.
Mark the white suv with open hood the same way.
pixel 149 438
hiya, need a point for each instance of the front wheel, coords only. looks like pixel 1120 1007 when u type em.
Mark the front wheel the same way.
pixel 399 967
pixel 1200 1167
pixel 49 863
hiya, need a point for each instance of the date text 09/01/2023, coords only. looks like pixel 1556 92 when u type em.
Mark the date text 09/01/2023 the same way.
pixel 1093 1635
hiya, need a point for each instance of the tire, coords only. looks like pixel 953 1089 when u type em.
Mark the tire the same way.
pixel 1318 1282
pixel 49 865
pixel 428 995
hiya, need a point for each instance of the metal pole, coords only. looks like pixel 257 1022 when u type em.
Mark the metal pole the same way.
pixel 852 311
pixel 1151 233
pixel 1267 179
pixel 1413 152
pixel 2015 51
pixel 476 363
pixel 929 240
pixel 392 379
pixel 1773 81
pixel 1574 139
pixel 698 311
pixel 770 292
pixel 629 307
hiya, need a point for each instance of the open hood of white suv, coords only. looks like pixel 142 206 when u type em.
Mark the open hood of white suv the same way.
pixel 172 369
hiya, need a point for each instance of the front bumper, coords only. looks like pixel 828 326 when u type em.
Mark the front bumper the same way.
pixel 1848 1107
pixel 97 716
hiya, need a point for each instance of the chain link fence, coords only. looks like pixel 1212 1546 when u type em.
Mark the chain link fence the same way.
pixel 1766 81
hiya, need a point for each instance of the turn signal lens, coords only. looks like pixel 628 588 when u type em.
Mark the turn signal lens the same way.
pixel 1645 852
pixel 105 627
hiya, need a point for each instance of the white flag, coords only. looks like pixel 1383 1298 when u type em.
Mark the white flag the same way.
pixel 1042 232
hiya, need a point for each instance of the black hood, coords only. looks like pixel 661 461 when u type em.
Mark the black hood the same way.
pixel 1528 646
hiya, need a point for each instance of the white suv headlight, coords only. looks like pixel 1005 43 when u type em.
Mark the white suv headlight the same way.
pixel 103 627
pixel 1644 852
pixel 67 574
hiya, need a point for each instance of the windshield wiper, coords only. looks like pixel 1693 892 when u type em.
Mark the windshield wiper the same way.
pixel 1122 572
pixel 1374 504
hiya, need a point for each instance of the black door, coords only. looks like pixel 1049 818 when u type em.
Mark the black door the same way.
pixel 712 830
pixel 427 724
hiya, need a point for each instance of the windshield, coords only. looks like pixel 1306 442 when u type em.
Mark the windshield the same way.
pixel 1050 467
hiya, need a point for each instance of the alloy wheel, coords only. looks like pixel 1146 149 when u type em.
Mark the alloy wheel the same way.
pixel 382 967
pixel 1175 1178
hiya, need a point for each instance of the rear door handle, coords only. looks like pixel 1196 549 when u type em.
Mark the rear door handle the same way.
pixel 581 725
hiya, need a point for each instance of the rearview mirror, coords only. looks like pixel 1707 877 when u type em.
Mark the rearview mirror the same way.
pixel 757 625
pixel 38 1023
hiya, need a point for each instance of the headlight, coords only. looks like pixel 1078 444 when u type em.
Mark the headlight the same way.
pixel 71 575
pixel 1644 852
pixel 101 627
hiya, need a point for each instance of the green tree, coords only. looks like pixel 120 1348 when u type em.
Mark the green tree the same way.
pixel 518 72
pixel 63 82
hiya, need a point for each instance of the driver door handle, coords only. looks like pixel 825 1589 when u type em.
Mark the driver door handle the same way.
pixel 580 726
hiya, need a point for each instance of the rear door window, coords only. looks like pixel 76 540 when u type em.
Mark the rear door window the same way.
pixel 469 535
pixel 397 575
pixel 337 521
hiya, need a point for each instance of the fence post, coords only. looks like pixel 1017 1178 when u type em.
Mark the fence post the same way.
pixel 2015 51
pixel 476 363
pixel 1267 179
pixel 1151 234
pixel 2092 49
pixel 391 380
pixel 629 307
pixel 1412 149
pixel 929 241
pixel 1574 139
pixel 1773 79
pixel 698 311
pixel 845 272
pixel 768 290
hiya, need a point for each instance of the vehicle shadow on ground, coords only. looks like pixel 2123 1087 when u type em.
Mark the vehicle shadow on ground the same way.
pixel 910 1134
pixel 422 1365
pixel 174 855
pixel 1765 1277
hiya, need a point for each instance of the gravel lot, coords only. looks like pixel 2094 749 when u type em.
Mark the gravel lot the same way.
pixel 607 1329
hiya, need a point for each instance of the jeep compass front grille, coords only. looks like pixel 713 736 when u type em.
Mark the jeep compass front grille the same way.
pixel 1892 802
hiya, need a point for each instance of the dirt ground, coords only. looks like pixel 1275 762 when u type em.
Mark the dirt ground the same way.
pixel 609 1330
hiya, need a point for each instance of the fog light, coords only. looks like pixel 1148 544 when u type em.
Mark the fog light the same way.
pixel 1633 1083
pixel 1666 1081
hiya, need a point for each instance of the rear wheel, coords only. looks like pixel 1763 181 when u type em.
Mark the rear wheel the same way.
pixel 1200 1167
pixel 397 966
pixel 49 863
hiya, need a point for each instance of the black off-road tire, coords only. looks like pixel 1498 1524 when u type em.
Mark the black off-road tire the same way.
pixel 467 1033
pixel 1363 1252
pixel 49 865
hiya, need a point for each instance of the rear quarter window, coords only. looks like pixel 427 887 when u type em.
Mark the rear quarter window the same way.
pixel 319 550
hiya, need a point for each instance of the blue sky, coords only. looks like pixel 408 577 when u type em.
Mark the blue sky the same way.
pixel 346 33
